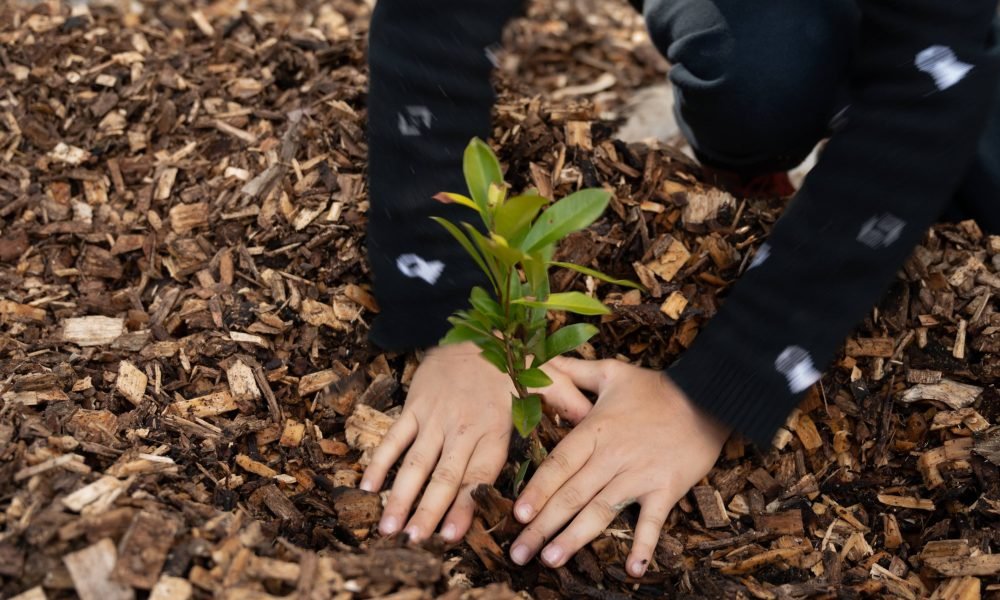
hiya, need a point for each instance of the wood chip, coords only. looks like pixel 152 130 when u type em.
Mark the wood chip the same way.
pixel 955 395
pixel 670 262
pixel 209 405
pixel 91 570
pixel 186 217
pixel 92 331
pixel 144 549
pixel 906 502
pixel 711 507
pixel 131 382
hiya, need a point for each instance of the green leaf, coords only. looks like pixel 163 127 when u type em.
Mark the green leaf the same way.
pixel 573 302
pixel 485 304
pixel 481 169
pixel 473 320
pixel 566 339
pixel 536 271
pixel 495 358
pixel 514 217
pixel 572 213
pixel 522 472
pixel 463 333
pixel 508 255
pixel 597 274
pixel 527 413
pixel 534 378
pixel 451 198
pixel 465 243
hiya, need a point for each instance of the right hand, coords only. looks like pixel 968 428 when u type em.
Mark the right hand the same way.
pixel 456 423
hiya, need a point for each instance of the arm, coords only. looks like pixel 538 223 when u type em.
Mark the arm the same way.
pixel 430 93
pixel 883 180
pixel 924 79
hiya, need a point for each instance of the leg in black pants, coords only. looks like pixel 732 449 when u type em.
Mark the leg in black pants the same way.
pixel 757 85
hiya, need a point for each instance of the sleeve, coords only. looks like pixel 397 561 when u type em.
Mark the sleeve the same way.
pixel 429 94
pixel 922 87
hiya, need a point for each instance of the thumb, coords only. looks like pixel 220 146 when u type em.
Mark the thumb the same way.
pixel 564 398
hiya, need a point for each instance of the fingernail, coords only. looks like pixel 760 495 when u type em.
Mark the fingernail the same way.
pixel 638 567
pixel 389 525
pixel 520 554
pixel 552 555
pixel 449 532
pixel 413 533
pixel 524 512
pixel 366 486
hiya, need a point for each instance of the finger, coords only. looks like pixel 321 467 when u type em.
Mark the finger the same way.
pixel 588 524
pixel 565 504
pixel 565 398
pixel 442 487
pixel 655 509
pixel 395 442
pixel 484 467
pixel 559 466
pixel 417 466
pixel 587 375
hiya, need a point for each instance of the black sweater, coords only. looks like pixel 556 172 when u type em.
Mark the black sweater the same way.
pixel 885 176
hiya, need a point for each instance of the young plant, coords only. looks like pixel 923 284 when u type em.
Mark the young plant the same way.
pixel 508 323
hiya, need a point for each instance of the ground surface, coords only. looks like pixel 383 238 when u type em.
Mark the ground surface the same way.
pixel 187 392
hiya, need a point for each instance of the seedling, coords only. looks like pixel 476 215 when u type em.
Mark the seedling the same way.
pixel 508 323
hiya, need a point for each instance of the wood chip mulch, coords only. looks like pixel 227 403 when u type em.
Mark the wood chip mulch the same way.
pixel 187 396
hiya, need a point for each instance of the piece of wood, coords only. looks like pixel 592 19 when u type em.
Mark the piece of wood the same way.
pixel 279 504
pixel 668 264
pixel 922 376
pixel 578 134
pixel 35 593
pixel 805 429
pixel 242 384
pixel 101 492
pixel 976 565
pixel 788 522
pixel 144 549
pixel 171 588
pixel 209 405
pixel 930 462
pixel 131 382
pixel 955 395
pixel 92 331
pixel 711 506
pixel 674 305
pixel 704 207
pixel 292 434
pixel 91 569
pixel 254 466
pixel 893 536
pixel 958 588
pixel 882 346
pixel 911 502
pixel 366 427
pixel 21 313
pixel 357 509
pixel 314 382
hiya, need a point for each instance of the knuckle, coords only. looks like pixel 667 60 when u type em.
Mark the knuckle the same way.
pixel 416 458
pixel 571 498
pixel 604 509
pixel 445 475
pixel 558 461
pixel 477 475
pixel 653 524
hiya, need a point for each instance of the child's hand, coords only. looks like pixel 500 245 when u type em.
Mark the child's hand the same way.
pixel 457 417
pixel 643 441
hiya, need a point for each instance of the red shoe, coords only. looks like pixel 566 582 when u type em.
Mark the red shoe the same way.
pixel 767 185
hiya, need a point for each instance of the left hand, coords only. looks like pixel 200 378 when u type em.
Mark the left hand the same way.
pixel 643 441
